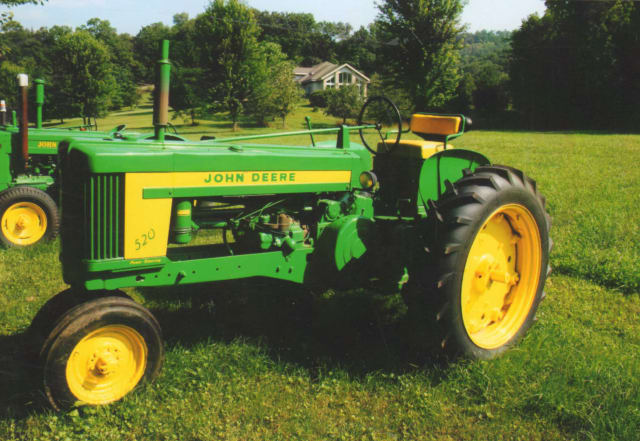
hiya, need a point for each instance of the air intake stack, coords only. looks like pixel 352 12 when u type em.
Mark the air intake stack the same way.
pixel 161 93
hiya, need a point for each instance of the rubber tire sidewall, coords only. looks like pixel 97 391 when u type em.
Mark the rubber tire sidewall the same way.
pixel 49 315
pixel 14 195
pixel 453 289
pixel 77 325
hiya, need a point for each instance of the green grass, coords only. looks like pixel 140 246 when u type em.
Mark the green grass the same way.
pixel 592 188
pixel 140 120
pixel 260 359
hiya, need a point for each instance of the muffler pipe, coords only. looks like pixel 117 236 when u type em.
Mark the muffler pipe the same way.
pixel 161 93
pixel 39 101
pixel 23 83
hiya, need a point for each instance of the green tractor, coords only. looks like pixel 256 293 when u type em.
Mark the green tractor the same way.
pixel 466 240
pixel 28 178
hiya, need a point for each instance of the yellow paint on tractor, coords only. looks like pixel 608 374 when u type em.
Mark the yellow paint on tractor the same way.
pixel 47 145
pixel 435 124
pixel 147 221
pixel 24 223
pixel 106 364
pixel 261 177
pixel 501 276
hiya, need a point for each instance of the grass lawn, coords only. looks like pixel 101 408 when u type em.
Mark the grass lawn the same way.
pixel 259 359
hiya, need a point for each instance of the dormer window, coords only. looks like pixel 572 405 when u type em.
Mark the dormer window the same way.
pixel 344 78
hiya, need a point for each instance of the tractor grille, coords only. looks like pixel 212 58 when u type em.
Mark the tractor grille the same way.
pixel 104 215
pixel 92 217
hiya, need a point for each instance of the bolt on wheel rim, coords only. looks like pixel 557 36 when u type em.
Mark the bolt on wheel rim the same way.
pixel 106 364
pixel 24 223
pixel 501 276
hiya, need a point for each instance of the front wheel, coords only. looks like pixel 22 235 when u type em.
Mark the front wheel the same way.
pixel 489 243
pixel 99 351
pixel 27 215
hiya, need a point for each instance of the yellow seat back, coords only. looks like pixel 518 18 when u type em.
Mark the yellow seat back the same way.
pixel 437 125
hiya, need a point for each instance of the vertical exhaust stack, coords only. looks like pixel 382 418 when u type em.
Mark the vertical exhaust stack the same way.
pixel 39 101
pixel 3 112
pixel 23 83
pixel 161 93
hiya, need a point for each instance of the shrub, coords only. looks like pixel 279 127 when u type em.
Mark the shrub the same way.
pixel 319 98
pixel 344 102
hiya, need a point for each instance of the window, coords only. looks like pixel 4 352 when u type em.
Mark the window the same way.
pixel 344 78
pixel 330 83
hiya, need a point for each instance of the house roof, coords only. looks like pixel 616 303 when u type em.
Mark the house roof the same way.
pixel 302 71
pixel 321 71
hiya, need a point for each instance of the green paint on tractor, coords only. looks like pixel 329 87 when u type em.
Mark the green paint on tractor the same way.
pixel 39 172
pixel 442 226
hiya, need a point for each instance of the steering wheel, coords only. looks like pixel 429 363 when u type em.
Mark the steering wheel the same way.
pixel 119 128
pixel 380 117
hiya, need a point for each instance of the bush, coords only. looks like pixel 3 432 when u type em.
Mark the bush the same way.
pixel 319 98
pixel 344 102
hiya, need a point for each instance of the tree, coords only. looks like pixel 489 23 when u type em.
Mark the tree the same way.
pixel 359 50
pixel 276 94
pixel 21 2
pixel 288 93
pixel 145 48
pixel 186 97
pixel 577 66
pixel 304 40
pixel 122 57
pixel 399 96
pixel 485 82
pixel 227 35
pixel 7 16
pixel 344 102
pixel 420 40
pixel 83 75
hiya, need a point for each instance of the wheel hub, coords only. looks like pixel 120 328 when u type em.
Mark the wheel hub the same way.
pixel 24 223
pixel 106 364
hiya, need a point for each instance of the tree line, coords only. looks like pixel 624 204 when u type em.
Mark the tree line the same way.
pixel 576 66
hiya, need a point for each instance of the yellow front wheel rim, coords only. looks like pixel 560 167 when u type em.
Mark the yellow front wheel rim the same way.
pixel 106 364
pixel 24 223
pixel 501 276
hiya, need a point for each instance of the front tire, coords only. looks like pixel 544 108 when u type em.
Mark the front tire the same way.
pixel 488 239
pixel 99 351
pixel 27 215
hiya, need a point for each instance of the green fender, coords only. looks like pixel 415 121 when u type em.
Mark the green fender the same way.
pixel 446 165
pixel 344 240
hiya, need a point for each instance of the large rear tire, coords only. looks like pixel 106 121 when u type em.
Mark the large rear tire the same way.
pixel 488 245
pixel 99 351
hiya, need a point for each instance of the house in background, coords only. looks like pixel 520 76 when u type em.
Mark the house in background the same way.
pixel 328 76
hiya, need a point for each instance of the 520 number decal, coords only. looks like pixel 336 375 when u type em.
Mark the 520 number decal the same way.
pixel 144 239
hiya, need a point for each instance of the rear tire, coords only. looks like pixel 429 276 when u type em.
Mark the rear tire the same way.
pixel 27 216
pixel 488 247
pixel 99 351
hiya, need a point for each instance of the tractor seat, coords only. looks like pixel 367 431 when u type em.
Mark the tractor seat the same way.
pixel 435 130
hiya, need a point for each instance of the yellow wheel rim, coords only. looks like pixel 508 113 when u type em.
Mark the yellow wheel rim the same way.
pixel 106 364
pixel 24 223
pixel 501 276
